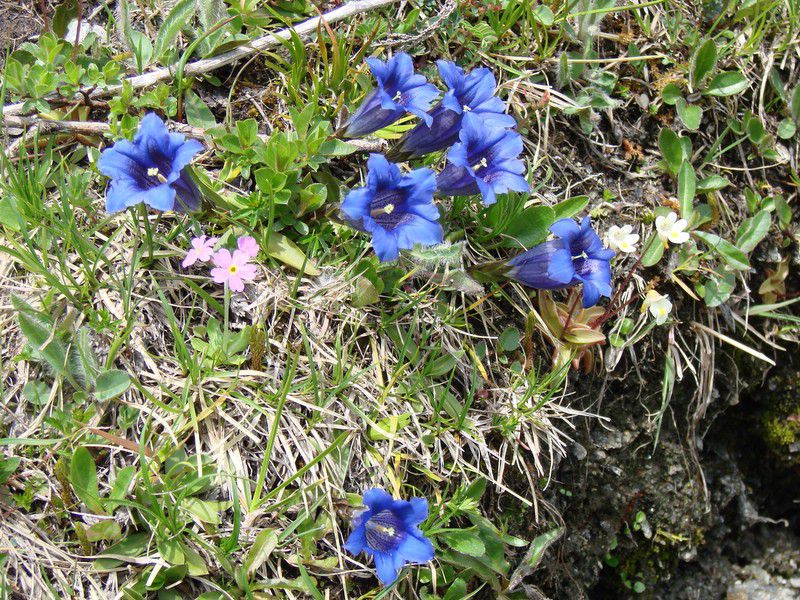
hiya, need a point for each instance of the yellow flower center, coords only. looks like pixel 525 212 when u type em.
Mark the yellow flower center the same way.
pixel 232 269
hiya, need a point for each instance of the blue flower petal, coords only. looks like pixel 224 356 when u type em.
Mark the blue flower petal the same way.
pixel 566 229
pixel 355 205
pixel 415 550
pixel 377 499
pixel 385 567
pixel 357 540
pixel 591 294
pixel 418 230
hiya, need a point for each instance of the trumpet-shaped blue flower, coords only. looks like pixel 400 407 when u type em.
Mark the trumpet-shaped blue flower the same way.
pixel 469 93
pixel 399 91
pixel 576 256
pixel 150 169
pixel 485 160
pixel 388 532
pixel 398 210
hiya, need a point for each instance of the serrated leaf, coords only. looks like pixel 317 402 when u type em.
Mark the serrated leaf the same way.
pixel 178 18
pixel 729 253
pixel 727 83
pixel 286 251
pixel 703 62
pixel 687 184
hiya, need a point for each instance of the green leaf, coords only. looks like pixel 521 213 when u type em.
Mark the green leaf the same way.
pixel 36 392
pixel 366 292
pixel 122 483
pixel 336 147
pixel 205 511
pixel 539 545
pixel 703 62
pixel 83 478
pixel 566 209
pixel 687 184
pixel 39 332
pixel 106 530
pixel 197 112
pixel 786 129
pixel 8 466
pixel 671 94
pixel 718 289
pixel 178 18
pixel 727 251
pixel 783 209
pixel 171 551
pixel 466 541
pixel 712 183
pixel 530 228
pixel 543 15
pixel 111 384
pixel 654 252
pixel 264 544
pixel 752 231
pixel 142 48
pixel 795 104
pixel 727 83
pixel 286 251
pixel 509 339
pixel 690 114
pixel 132 546
pixel 671 149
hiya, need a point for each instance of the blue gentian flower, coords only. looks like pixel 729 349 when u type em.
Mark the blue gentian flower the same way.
pixel 399 91
pixel 388 532
pixel 576 256
pixel 150 169
pixel 485 161
pixel 473 93
pixel 398 210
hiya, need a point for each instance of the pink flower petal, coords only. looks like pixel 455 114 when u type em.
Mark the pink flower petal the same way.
pixel 223 259
pixel 235 283
pixel 220 274
pixel 191 258
pixel 248 246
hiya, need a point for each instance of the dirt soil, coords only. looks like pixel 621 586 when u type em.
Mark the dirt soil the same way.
pixel 18 21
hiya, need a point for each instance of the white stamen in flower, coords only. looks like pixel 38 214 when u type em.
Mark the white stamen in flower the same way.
pixel 386 210
pixel 671 228
pixel 622 238
pixel 482 163
pixel 397 96
pixel 658 305
pixel 466 108
pixel 152 172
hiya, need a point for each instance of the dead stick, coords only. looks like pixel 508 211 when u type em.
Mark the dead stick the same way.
pixel 209 64
pixel 94 128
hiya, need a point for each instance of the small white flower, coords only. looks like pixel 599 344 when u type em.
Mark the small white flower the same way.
pixel 622 238
pixel 658 305
pixel 671 228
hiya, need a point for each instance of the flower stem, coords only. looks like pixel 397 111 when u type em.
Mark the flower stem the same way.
pixel 226 306
pixel 147 230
